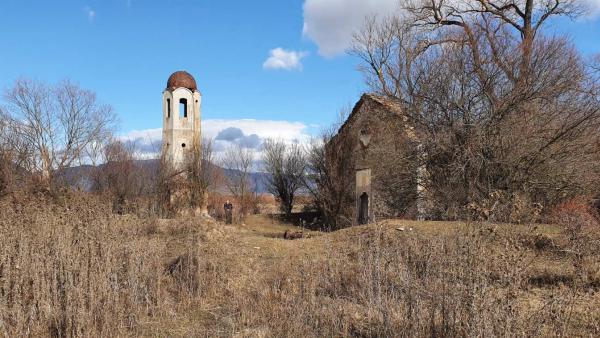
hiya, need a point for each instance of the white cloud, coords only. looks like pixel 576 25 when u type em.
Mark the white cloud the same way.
pixel 594 8
pixel 148 142
pixel 264 128
pixel 595 3
pixel 91 13
pixel 284 59
pixel 331 23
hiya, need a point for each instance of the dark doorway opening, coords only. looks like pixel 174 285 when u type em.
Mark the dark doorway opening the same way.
pixel 363 211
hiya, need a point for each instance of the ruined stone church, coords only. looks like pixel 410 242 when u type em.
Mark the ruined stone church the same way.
pixel 370 155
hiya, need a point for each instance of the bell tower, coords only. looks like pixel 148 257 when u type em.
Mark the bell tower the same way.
pixel 181 117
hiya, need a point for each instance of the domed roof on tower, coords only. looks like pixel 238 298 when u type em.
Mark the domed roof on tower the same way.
pixel 181 79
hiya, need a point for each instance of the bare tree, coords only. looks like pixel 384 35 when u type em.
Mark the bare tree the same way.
pixel 285 164
pixel 239 162
pixel 57 122
pixel 499 117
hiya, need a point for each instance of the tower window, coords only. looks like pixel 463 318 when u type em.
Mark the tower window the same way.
pixel 183 107
pixel 168 108
pixel 183 145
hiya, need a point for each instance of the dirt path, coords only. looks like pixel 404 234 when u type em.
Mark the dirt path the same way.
pixel 260 241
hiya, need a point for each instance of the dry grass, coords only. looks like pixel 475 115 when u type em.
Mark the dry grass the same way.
pixel 70 268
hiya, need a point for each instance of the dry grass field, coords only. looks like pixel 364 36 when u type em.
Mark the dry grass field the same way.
pixel 68 267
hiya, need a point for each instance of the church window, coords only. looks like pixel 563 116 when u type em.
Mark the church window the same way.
pixel 168 108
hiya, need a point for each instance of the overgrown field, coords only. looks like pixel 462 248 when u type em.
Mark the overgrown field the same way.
pixel 68 267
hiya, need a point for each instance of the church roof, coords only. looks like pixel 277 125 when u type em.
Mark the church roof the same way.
pixel 182 79
pixel 391 105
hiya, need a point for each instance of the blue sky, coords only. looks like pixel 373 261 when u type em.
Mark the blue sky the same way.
pixel 125 50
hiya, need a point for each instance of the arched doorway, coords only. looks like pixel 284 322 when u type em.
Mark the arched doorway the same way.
pixel 363 210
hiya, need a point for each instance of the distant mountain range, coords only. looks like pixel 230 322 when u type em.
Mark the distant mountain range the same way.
pixel 82 175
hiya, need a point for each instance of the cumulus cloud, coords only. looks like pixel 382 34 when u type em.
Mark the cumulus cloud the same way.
pixel 237 136
pixel 230 134
pixel 284 59
pixel 331 23
pixel 247 132
pixel 90 12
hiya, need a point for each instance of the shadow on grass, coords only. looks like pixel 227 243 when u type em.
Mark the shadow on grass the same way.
pixel 307 220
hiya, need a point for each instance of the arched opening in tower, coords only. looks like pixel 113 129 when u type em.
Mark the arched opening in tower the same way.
pixel 183 107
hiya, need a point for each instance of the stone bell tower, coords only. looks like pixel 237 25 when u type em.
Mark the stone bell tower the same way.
pixel 181 117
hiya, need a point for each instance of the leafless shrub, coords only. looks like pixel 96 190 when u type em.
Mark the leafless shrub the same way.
pixel 7 167
pixel 202 176
pixel 166 186
pixel 540 243
pixel 150 226
pixel 576 215
pixel 6 172
pixel 184 269
pixel 15 156
pixel 327 179
pixel 195 180
pixel 6 159
pixel 292 235
pixel 580 223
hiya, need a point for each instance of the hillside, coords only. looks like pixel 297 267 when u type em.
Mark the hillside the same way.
pixel 81 175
